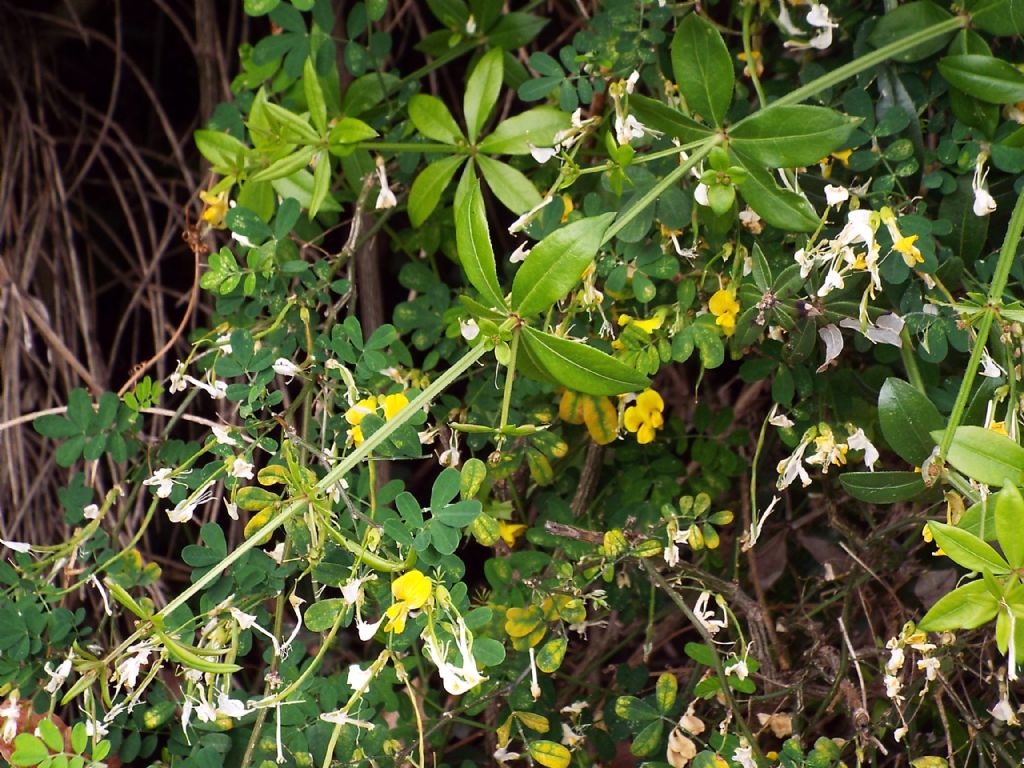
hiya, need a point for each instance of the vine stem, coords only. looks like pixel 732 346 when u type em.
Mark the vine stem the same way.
pixel 506 400
pixel 709 641
pixel 995 300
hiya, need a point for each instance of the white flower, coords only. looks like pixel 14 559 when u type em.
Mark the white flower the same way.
pixel 359 678
pixel 352 590
pixel 744 755
pixel 223 343
pixel 738 668
pixel 231 708
pixel 752 223
pixel 341 718
pixel 632 80
pixel 791 468
pixel 534 685
pixel 833 340
pixel 456 679
pixel 519 254
pixel 162 480
pixel 185 508
pixel 245 620
pixel 984 203
pixel 575 709
pixel 232 509
pixel 705 616
pixel 525 219
pixel 833 281
pixel 242 240
pixel 241 469
pixel 700 194
pixel 836 195
pixel 502 755
pixel 893 686
pixel 58 676
pixel 471 25
pixel 930 665
pixel 127 671
pixel 17 546
pixel 570 738
pixel 386 198
pixel 218 390
pixel 858 441
pixel 786 22
pixel 367 631
pixel 900 732
pixel 681 749
pixel 671 555
pixel 542 154
pixel 285 367
pixel 780 420
pixel 628 128
pixel 11 713
pixel 1004 711
pixel 177 379
pixel 896 657
pixel 990 367
pixel 885 330
pixel 469 329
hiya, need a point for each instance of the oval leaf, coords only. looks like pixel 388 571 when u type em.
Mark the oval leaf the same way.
pixel 582 368
pixel 966 607
pixel 883 487
pixel 482 91
pixel 427 188
pixel 984 77
pixel 967 550
pixel 782 208
pixel 1010 524
pixel 791 135
pixel 432 118
pixel 556 264
pixel 916 15
pixel 908 418
pixel 664 118
pixel 703 68
pixel 473 241
pixel 550 754
pixel 985 456
pixel 536 126
pixel 515 191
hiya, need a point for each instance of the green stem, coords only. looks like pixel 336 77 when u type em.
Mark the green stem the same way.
pixel 345 466
pixel 748 50
pixel 310 668
pixel 709 641
pixel 910 362
pixel 869 60
pixel 995 298
pixel 510 375
pixel 410 146
pixel 658 189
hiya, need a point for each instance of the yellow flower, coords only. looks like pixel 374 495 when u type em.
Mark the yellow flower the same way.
pixel 393 404
pixel 999 427
pixel 509 532
pixel 724 307
pixel 216 207
pixel 843 156
pixel 411 591
pixel 649 325
pixel 567 207
pixel 645 418
pixel 355 414
pixel 758 62
pixel 902 244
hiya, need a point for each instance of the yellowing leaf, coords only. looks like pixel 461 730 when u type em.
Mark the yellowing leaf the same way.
pixel 549 754
pixel 550 657
pixel 570 407
pixel 601 418
pixel 520 622
pixel 256 522
pixel 534 722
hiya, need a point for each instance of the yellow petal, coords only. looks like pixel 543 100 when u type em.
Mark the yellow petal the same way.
pixel 633 419
pixel 412 588
pixel 393 404
pixel 723 303
pixel 509 532
pixel 355 414
pixel 649 400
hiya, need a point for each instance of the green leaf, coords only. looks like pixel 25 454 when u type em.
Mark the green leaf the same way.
pixel 349 130
pixel 782 208
pixel 444 539
pixel 985 456
pixel 28 750
pixel 445 488
pixel 984 77
pixel 489 652
pixel 908 418
pixel 536 126
pixel 664 118
pixel 551 655
pixel 321 182
pixel 997 17
pixel 550 754
pixel 967 549
pixel 789 136
pixel 50 735
pixel 633 709
pixel 299 187
pixel 80 409
pixel 482 90
pixel 68 453
pixel 883 487
pixel 472 477
pixel 473 239
pixel 556 264
pixel 432 118
pixel 966 607
pixel 314 96
pixel 703 69
pixel 515 191
pixel 665 692
pixel 647 741
pixel 460 514
pixel 913 16
pixel 1010 524
pixel 224 151
pixel 581 368
pixel 56 426
pixel 248 224
pixel 286 166
pixel 322 614
pixel 290 126
pixel 429 185
pixel 79 738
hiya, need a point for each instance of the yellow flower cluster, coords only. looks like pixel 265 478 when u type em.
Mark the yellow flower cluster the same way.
pixel 391 404
pixel 645 418
pixel 411 591
pixel 724 307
